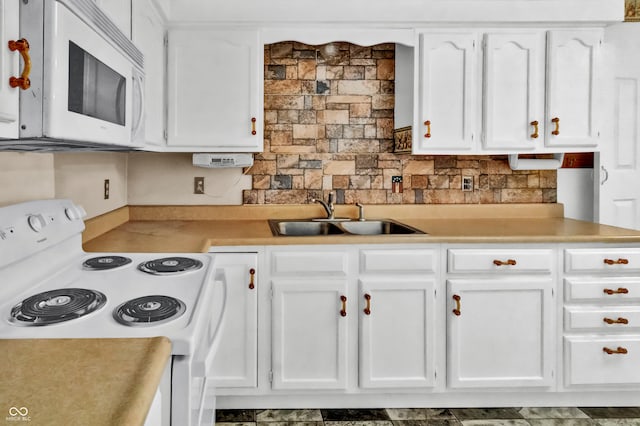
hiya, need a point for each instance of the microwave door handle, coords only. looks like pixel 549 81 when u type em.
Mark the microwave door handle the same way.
pixel 138 120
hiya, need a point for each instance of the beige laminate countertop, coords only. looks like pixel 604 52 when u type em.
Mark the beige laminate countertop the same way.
pixel 64 382
pixel 191 229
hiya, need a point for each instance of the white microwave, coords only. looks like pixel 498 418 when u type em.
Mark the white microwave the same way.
pixel 86 81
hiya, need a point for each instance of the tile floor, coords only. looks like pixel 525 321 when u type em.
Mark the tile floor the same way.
pixel 592 416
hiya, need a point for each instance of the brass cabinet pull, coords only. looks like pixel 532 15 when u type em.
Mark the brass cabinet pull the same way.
pixel 556 121
pixel 253 126
pixel 343 311
pixel 21 46
pixel 509 262
pixel 535 129
pixel 616 262
pixel 620 320
pixel 367 309
pixel 428 124
pixel 620 290
pixel 619 350
pixel 252 273
pixel 457 310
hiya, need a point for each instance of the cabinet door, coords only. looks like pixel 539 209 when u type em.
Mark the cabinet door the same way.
pixel 214 85
pixel 9 66
pixel 572 60
pixel 502 333
pixel 514 91
pixel 447 88
pixel 397 323
pixel 309 335
pixel 236 360
pixel 148 36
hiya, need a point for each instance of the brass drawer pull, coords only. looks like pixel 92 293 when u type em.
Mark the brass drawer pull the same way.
pixel 23 81
pixel 620 320
pixel 367 309
pixel 556 121
pixel 343 311
pixel 616 262
pixel 620 290
pixel 252 273
pixel 457 311
pixel 509 262
pixel 253 126
pixel 428 124
pixel 535 123
pixel 619 350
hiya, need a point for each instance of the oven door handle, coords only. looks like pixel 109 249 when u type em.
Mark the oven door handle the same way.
pixel 203 358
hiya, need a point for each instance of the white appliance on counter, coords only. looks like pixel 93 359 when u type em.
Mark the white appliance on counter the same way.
pixel 52 289
pixel 86 85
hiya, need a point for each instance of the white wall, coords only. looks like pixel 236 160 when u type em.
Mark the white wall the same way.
pixel 80 177
pixel 25 176
pixel 161 178
pixel 575 191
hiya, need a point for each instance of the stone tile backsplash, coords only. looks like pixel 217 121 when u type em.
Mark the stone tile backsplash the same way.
pixel 329 127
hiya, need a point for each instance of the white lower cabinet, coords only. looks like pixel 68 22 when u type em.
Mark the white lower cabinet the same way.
pixel 309 333
pixel 501 319
pixel 328 301
pixel 235 362
pixel 430 325
pixel 601 317
pixel 397 324
pixel 500 332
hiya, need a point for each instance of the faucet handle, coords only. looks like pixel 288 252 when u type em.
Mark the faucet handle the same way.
pixel 360 212
pixel 330 198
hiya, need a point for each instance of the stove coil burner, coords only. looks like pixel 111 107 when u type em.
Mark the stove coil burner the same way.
pixel 56 306
pixel 103 263
pixel 170 265
pixel 149 310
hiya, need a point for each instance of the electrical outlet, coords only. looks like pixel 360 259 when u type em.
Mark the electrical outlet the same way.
pixel 198 185
pixel 106 189
pixel 467 183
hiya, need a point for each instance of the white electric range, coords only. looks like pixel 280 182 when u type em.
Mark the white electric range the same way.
pixel 51 288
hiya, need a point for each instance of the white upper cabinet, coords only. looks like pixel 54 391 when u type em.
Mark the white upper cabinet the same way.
pixel 446 88
pixel 529 91
pixel 214 90
pixel 9 67
pixel 572 93
pixel 148 35
pixel 514 91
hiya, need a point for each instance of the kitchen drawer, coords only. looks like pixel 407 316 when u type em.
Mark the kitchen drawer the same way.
pixel 309 263
pixel 398 261
pixel 605 319
pixel 586 363
pixel 602 260
pixel 499 261
pixel 602 290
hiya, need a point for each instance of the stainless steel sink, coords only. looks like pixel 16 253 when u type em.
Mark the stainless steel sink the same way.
pixel 303 228
pixel 378 227
pixel 310 227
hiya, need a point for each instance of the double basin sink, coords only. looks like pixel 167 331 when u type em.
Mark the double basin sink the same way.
pixel 310 227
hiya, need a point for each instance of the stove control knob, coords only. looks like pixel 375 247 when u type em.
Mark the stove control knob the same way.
pixel 75 212
pixel 36 222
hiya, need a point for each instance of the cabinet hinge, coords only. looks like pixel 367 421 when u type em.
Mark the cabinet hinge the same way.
pixel 270 376
pixel 473 44
pixel 553 292
pixel 165 135
pixel 473 136
pixel 166 40
pixel 435 374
